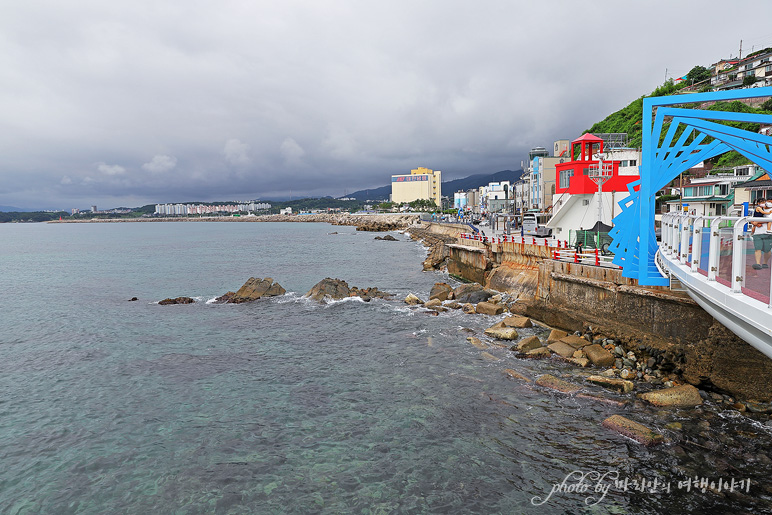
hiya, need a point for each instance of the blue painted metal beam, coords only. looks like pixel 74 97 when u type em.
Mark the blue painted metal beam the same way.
pixel 634 242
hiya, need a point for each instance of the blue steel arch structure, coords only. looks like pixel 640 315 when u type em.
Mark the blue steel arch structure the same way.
pixel 634 242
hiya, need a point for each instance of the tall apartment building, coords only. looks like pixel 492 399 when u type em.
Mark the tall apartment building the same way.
pixel 422 183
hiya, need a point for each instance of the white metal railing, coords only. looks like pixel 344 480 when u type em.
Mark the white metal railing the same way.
pixel 730 255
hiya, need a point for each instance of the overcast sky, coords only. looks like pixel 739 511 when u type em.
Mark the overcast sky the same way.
pixel 125 103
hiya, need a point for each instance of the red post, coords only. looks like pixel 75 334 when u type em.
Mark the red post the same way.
pixel 576 257
pixel 597 258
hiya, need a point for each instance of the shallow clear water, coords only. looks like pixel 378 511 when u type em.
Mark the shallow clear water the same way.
pixel 288 406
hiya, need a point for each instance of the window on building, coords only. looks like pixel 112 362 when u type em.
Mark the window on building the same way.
pixel 565 177
pixel 633 162
pixel 723 189
pixel 768 68
pixel 623 164
pixel 688 192
pixel 743 171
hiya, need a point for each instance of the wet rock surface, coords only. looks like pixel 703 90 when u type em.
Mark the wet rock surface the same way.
pixel 252 290
pixel 336 289
pixel 176 300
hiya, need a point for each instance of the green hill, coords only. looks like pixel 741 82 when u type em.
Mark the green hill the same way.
pixel 628 119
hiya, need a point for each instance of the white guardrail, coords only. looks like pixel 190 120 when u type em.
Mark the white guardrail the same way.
pixel 560 249
pixel 730 257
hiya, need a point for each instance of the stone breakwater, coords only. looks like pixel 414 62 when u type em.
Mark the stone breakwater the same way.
pixel 378 223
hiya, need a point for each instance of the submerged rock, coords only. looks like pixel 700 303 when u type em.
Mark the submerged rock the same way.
pixel 388 237
pixel 252 290
pixel 684 395
pixel 178 300
pixel 553 383
pixel 476 342
pixel 516 375
pixel 612 383
pixel 634 430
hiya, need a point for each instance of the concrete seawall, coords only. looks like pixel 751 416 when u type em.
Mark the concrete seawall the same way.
pixel 572 296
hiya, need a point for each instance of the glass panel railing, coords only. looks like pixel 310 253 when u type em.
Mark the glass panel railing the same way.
pixel 702 266
pixel 757 263
pixel 724 275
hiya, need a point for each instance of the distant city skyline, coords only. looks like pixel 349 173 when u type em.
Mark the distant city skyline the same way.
pixel 135 103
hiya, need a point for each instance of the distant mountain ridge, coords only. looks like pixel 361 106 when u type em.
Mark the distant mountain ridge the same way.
pixel 448 188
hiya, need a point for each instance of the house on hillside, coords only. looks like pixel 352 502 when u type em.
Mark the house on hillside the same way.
pixel 714 194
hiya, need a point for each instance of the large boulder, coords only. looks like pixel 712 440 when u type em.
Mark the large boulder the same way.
pixel 599 356
pixel 502 333
pixel 253 289
pixel 486 308
pixel 529 343
pixel 440 291
pixel 332 288
pixel 562 349
pixel 517 321
pixel 555 335
pixel 471 293
pixel 412 300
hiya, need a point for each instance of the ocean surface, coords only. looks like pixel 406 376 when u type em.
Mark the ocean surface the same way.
pixel 288 406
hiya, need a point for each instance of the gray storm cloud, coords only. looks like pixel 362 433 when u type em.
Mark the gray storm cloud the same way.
pixel 139 102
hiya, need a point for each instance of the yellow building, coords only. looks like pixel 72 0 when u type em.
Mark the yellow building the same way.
pixel 422 183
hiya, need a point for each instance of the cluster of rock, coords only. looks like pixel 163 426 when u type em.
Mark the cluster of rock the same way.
pixel 388 237
pixel 176 300
pixel 252 290
pixel 438 254
pixel 471 298
pixel 336 289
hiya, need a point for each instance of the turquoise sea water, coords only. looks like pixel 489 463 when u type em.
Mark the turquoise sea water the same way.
pixel 288 406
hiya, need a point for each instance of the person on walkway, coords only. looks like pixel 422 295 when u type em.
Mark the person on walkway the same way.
pixel 762 236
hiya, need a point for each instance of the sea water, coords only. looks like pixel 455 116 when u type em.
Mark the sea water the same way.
pixel 285 405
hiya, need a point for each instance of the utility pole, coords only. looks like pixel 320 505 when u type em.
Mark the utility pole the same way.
pixel 741 49
pixel 665 75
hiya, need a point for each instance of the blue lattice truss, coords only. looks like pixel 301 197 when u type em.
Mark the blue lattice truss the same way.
pixel 663 160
